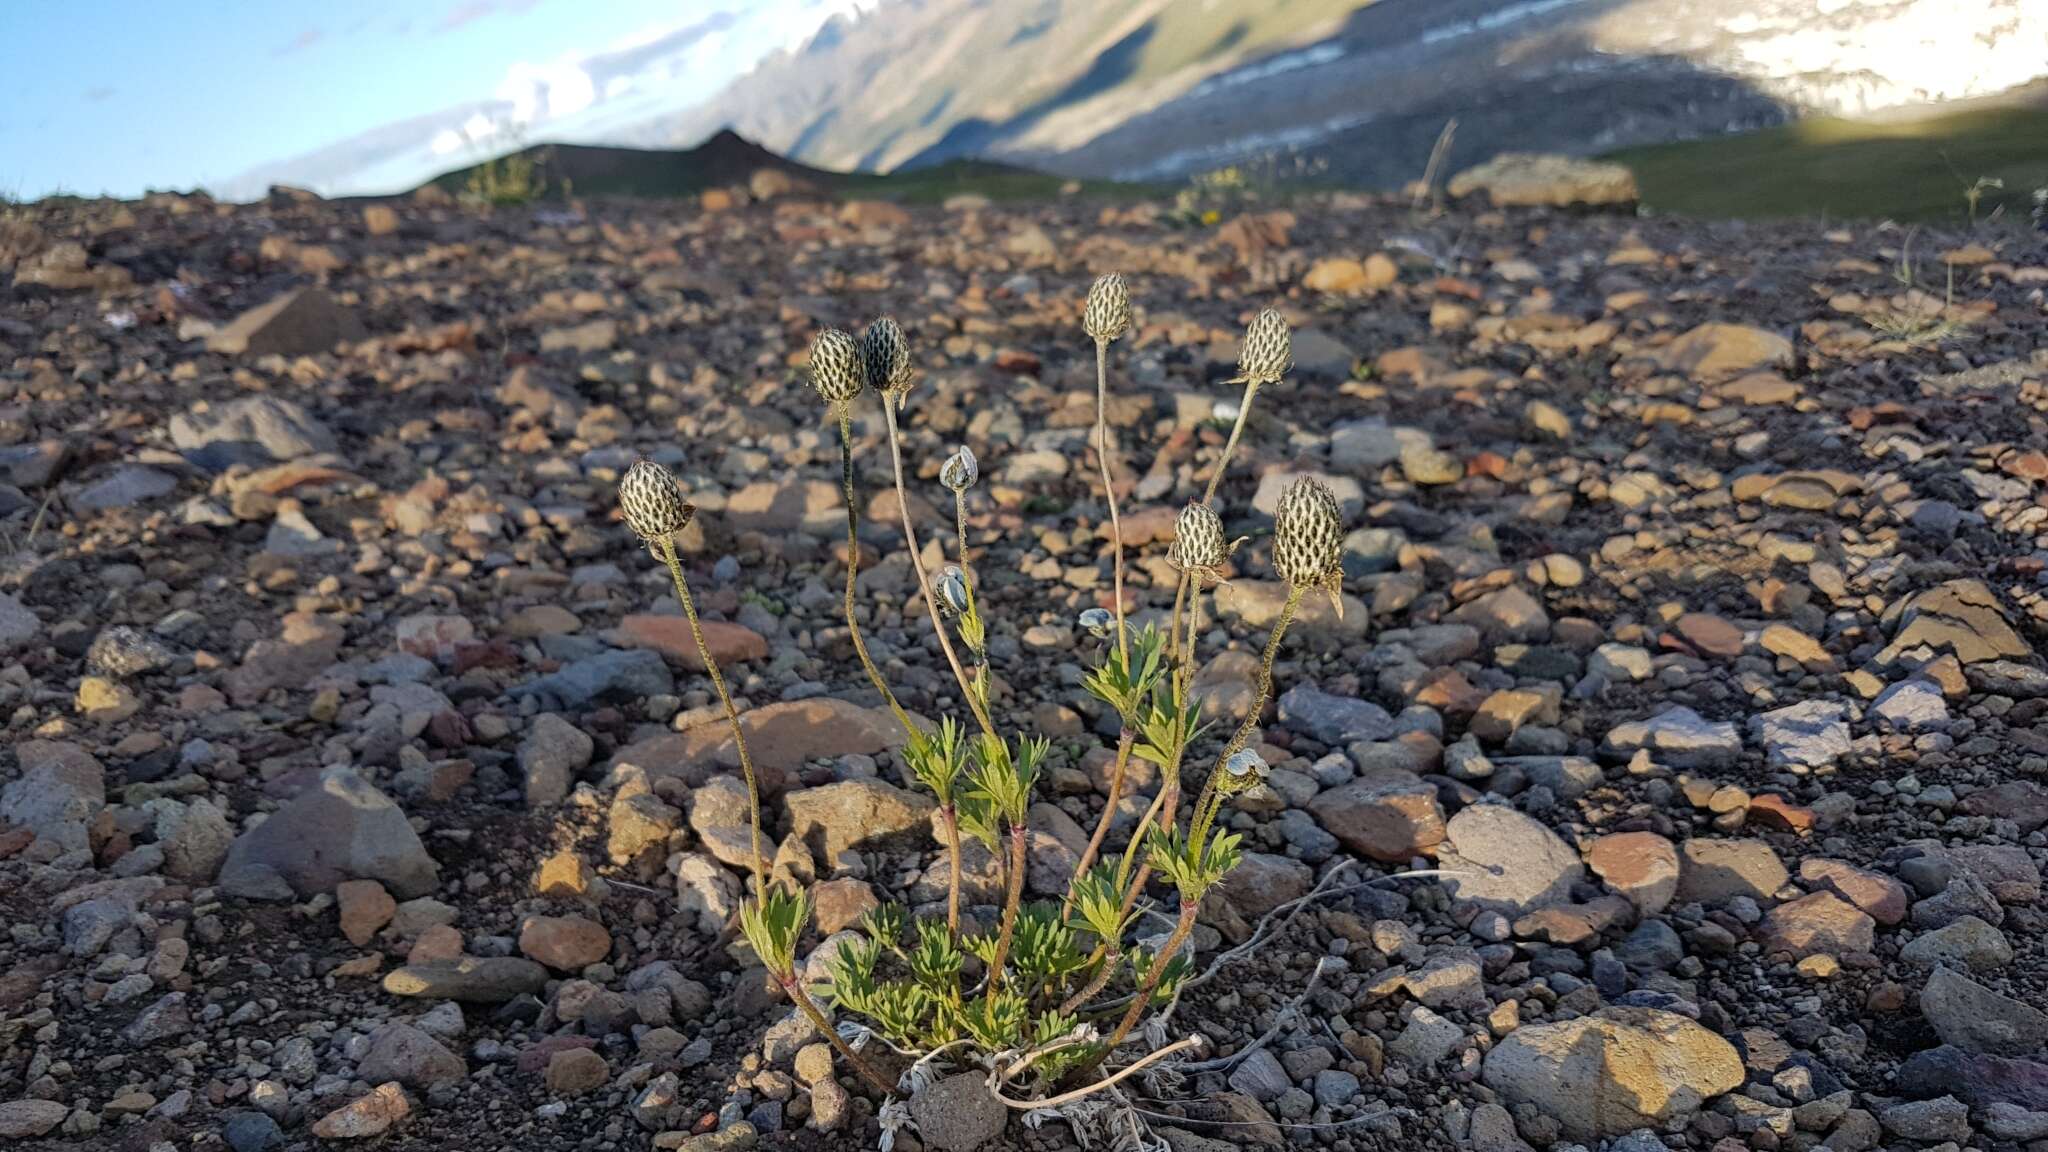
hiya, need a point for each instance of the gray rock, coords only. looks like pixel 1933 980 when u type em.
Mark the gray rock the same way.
pixel 302 322
pixel 2013 1123
pixel 958 1114
pixel 1260 1076
pixel 1333 720
pixel 26 1119
pixel 195 836
pixel 1911 706
pixel 1506 615
pixel 856 813
pixel 404 1053
pixel 340 830
pixel 1334 1088
pixel 252 1132
pixel 1427 1039
pixel 127 486
pixel 279 427
pixel 1944 1118
pixel 470 979
pixel 627 673
pixel 1678 737
pixel 553 752
pixel 1811 734
pixel 162 1020
pixel 1967 942
pixel 1505 861
pixel 62 787
pixel 1974 1018
pixel 18 625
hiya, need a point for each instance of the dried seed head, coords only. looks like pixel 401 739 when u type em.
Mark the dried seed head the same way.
pixel 1308 535
pixel 951 588
pixel 1198 542
pixel 886 355
pixel 1248 763
pixel 960 470
pixel 836 366
pixel 1108 314
pixel 653 502
pixel 1268 350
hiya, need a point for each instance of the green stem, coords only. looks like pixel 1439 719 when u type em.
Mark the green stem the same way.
pixel 924 580
pixel 860 646
pixel 1244 409
pixel 1116 791
pixel 1109 958
pixel 1143 999
pixel 1116 527
pixel 1250 727
pixel 732 714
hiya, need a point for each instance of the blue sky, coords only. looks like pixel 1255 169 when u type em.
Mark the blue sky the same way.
pixel 118 96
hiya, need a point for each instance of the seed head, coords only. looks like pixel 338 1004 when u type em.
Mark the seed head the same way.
pixel 1308 536
pixel 886 355
pixel 1198 543
pixel 1247 764
pixel 951 588
pixel 1108 314
pixel 836 366
pixel 960 470
pixel 653 502
pixel 1096 622
pixel 1268 350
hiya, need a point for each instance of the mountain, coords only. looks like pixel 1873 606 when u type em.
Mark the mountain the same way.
pixel 594 170
pixel 1356 91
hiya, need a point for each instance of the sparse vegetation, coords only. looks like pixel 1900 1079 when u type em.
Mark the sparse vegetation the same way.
pixel 1029 1000
pixel 1903 170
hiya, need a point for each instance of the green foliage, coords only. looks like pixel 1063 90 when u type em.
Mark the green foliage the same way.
pixel 1168 728
pixel 772 925
pixel 1180 857
pixel 1004 781
pixel 1126 681
pixel 937 759
pixel 1098 904
pixel 1045 946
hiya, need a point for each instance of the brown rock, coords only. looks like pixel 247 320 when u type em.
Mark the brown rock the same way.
pixel 670 635
pixel 575 1071
pixel 1713 352
pixel 365 907
pixel 365 1116
pixel 1709 635
pixel 780 737
pixel 1641 866
pixel 1819 923
pixel 436 942
pixel 1389 816
pixel 302 322
pixel 564 943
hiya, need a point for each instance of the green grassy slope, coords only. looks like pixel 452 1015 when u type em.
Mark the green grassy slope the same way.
pixel 1906 170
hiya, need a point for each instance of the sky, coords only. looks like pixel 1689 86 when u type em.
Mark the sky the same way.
pixel 122 96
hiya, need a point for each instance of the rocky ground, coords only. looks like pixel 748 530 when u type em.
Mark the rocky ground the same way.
pixel 359 782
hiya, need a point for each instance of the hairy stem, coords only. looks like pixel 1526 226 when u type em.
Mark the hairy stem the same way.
pixel 1116 792
pixel 1143 999
pixel 732 714
pixel 951 817
pixel 860 646
pixel 1109 1081
pixel 1244 409
pixel 924 579
pixel 1116 527
pixel 1250 727
pixel 809 1007
pixel 1109 959
pixel 1012 901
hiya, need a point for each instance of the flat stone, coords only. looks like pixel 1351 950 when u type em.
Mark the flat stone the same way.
pixel 781 738
pixel 1715 352
pixel 1505 861
pixel 1388 816
pixel 1967 943
pixel 1641 866
pixel 26 1119
pixel 1610 1073
pixel 1333 720
pixel 564 943
pixel 409 1056
pixel 1963 617
pixel 470 979
pixel 1881 896
pixel 1819 923
pixel 835 818
pixel 730 643
pixel 1714 871
pixel 301 322
pixel 1976 1019
pixel 1811 733
pixel 279 428
pixel 366 1116
pixel 1678 737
